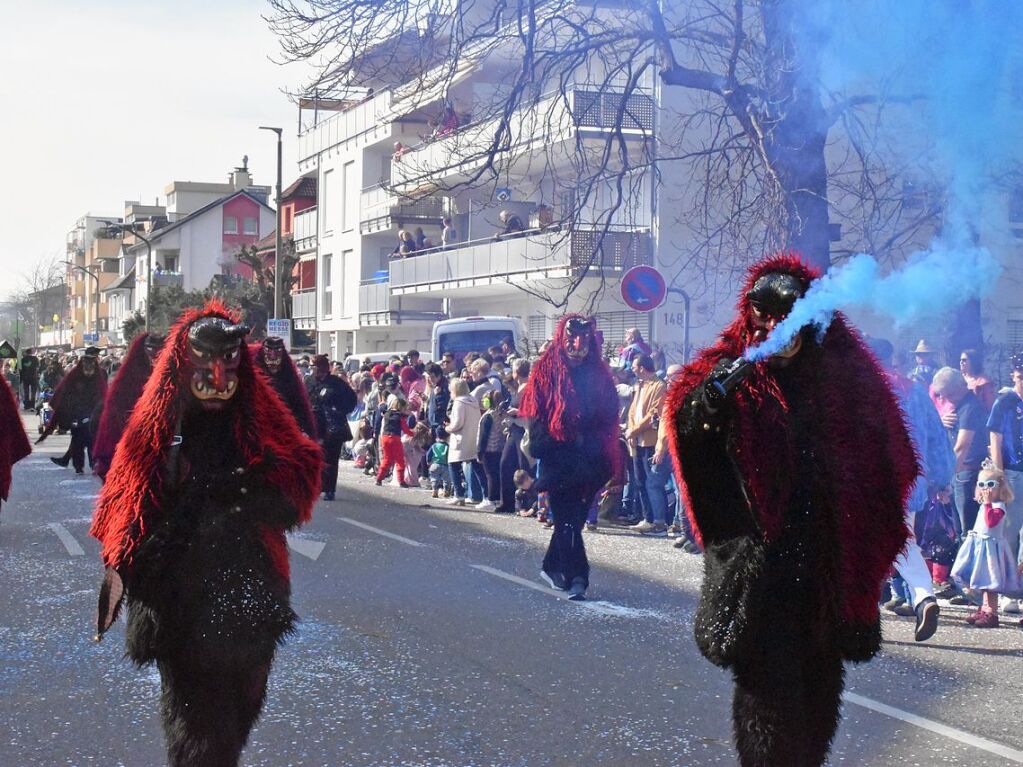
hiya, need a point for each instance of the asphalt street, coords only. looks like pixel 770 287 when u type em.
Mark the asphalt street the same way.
pixel 428 639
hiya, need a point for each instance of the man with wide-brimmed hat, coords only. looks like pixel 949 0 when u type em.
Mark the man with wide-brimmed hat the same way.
pixel 926 360
pixel 74 404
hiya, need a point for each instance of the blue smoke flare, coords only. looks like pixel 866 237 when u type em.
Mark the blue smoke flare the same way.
pixel 926 286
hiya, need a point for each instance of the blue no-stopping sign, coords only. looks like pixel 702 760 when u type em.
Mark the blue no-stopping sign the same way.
pixel 643 288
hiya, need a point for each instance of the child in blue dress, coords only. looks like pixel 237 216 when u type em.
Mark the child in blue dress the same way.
pixel 985 562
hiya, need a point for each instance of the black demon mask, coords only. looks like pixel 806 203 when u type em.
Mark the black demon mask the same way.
pixel 577 340
pixel 214 352
pixel 153 344
pixel 771 299
pixel 273 353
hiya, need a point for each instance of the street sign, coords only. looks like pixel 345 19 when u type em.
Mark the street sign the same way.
pixel 7 351
pixel 643 288
pixel 90 338
pixel 281 328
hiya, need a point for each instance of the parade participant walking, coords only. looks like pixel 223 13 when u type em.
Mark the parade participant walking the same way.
pixel 797 491
pixel 13 440
pixel 331 400
pixel 271 356
pixel 29 370
pixel 74 405
pixel 210 472
pixel 572 408
pixel 122 396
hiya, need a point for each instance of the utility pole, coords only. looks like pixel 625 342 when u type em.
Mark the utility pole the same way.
pixel 278 277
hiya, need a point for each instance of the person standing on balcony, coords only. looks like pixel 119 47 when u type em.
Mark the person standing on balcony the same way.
pixel 420 237
pixel 511 225
pixel 448 233
pixel 406 244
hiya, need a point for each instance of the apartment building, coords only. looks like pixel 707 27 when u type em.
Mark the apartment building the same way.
pixel 196 236
pixel 92 264
pixel 396 158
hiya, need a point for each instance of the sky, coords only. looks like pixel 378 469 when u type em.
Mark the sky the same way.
pixel 107 100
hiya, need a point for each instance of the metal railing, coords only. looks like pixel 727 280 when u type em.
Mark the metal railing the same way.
pixel 532 252
pixel 168 279
pixel 303 304
pixel 306 223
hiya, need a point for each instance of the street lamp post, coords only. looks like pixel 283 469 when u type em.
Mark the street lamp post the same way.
pixel 86 270
pixel 278 277
pixel 149 257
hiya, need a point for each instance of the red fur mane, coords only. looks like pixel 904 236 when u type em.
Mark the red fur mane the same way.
pixel 132 498
pixel 122 395
pixel 13 441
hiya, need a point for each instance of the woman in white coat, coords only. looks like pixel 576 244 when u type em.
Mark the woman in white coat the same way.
pixel 463 426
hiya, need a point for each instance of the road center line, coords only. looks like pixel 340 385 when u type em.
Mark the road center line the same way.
pixel 306 547
pixel 603 608
pixel 378 531
pixel 72 546
pixel 969 739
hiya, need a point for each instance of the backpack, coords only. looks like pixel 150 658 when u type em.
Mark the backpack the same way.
pixel 937 532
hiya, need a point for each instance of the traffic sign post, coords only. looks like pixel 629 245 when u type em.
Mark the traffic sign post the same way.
pixel 281 328
pixel 643 288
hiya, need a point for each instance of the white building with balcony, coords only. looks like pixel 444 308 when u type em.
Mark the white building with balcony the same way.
pixel 571 255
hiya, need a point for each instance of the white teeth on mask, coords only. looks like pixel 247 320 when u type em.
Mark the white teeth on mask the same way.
pixel 230 385
pixel 200 387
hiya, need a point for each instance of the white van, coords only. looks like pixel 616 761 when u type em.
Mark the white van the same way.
pixel 354 361
pixel 475 334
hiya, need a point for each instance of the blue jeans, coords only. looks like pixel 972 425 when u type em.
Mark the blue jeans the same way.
pixel 461 479
pixel 640 471
pixel 656 487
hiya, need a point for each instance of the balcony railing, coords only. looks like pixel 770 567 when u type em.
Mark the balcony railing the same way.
pixel 381 208
pixel 306 223
pixel 303 304
pixel 540 254
pixel 552 119
pixel 168 279
pixel 377 307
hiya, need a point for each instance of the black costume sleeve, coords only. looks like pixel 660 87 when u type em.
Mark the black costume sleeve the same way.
pixel 246 491
pixel 733 544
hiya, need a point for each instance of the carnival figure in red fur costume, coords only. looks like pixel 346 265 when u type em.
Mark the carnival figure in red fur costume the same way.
pixel 271 356
pixel 122 395
pixel 13 440
pixel 210 473
pixel 795 473
pixel 76 403
pixel 572 407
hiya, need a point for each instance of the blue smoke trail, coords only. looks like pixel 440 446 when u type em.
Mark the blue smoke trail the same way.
pixel 955 60
pixel 929 283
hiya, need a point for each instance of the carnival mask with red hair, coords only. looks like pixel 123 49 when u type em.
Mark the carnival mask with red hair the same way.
pixel 214 354
pixel 273 353
pixel 578 339
pixel 773 288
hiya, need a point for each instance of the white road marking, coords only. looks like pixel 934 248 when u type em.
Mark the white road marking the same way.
pixel 72 546
pixel 969 739
pixel 306 547
pixel 92 497
pixel 603 608
pixel 378 531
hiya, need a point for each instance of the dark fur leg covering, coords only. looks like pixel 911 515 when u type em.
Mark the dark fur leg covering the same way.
pixel 786 717
pixel 209 712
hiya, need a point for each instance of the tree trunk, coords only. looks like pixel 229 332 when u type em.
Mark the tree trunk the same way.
pixel 795 137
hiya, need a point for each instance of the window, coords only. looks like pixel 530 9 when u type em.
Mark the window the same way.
pixel 346 258
pixel 230 225
pixel 349 197
pixel 325 197
pixel 328 290
pixel 287 226
pixel 1015 334
pixel 170 264
pixel 251 225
